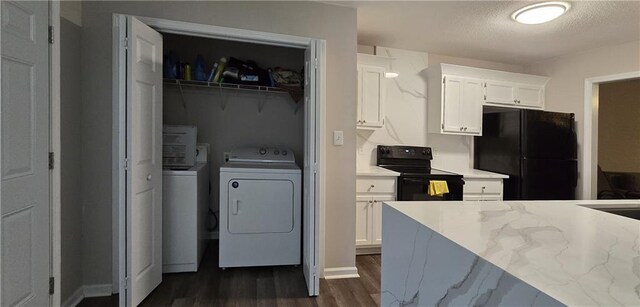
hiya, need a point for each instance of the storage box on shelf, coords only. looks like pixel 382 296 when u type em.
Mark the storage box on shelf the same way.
pixel 371 191
pixel 482 189
pixel 457 94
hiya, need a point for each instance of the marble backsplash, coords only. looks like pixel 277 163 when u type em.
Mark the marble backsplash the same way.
pixel 406 116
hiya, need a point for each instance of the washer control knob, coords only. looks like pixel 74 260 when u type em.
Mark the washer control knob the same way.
pixel 284 152
pixel 276 152
pixel 235 184
pixel 263 151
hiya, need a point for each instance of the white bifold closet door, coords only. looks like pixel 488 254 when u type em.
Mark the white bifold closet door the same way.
pixel 24 205
pixel 310 211
pixel 144 151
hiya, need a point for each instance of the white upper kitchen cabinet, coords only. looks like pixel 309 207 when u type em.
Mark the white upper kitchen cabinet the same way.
pixel 461 105
pixel 371 96
pixel 457 94
pixel 514 95
pixel 454 103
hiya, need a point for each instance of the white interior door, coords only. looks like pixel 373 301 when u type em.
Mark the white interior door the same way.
pixel 144 177
pixel 24 204
pixel 310 238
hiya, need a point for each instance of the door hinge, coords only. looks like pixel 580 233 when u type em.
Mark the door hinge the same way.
pixel 126 43
pixel 50 34
pixel 485 97
pixel 485 85
pixel 125 164
pixel 315 63
pixel 444 79
pixel 51 160
pixel 52 285
pixel 442 125
pixel 126 282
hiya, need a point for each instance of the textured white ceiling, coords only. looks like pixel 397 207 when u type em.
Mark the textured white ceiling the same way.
pixel 485 30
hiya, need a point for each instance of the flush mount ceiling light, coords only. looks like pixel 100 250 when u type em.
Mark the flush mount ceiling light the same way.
pixel 390 75
pixel 540 12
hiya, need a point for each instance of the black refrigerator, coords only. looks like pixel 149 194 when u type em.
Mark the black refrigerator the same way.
pixel 537 149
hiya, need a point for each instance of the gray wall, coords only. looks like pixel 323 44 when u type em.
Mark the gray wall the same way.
pixel 240 123
pixel 336 24
pixel 70 134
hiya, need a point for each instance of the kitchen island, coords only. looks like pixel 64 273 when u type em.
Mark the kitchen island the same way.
pixel 509 253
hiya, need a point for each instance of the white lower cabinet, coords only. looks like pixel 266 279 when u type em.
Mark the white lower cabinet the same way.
pixel 369 213
pixel 482 189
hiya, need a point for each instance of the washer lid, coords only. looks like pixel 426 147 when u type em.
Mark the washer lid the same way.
pixel 262 155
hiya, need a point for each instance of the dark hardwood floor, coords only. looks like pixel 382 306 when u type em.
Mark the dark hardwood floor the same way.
pixel 261 286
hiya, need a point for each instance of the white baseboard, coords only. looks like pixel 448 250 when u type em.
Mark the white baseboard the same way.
pixel 97 290
pixel 338 273
pixel 75 298
pixel 87 291
pixel 369 250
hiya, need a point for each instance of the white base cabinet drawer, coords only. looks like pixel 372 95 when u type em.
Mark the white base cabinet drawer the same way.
pixel 483 189
pixel 376 185
pixel 482 186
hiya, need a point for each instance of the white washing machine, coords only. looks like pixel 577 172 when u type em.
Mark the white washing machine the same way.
pixel 185 206
pixel 260 205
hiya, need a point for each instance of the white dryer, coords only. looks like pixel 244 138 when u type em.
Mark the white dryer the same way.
pixel 260 201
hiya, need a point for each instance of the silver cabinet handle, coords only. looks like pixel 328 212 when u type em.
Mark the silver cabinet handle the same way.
pixel 515 100
pixel 149 177
pixel 373 186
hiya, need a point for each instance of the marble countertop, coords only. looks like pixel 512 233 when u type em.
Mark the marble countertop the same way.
pixel 475 173
pixel 575 254
pixel 376 171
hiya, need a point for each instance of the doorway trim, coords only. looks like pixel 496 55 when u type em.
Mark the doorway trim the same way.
pixel 590 141
pixel 119 120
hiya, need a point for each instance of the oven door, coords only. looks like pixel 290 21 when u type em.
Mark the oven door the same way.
pixel 415 188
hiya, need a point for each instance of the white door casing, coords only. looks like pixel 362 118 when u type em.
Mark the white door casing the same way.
pixel 24 188
pixel 144 176
pixel 310 211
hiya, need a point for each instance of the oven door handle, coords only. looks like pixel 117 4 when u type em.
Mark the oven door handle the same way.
pixel 426 181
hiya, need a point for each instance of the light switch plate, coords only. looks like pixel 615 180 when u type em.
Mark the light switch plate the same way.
pixel 338 138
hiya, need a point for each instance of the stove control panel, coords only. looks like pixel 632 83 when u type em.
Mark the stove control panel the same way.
pixel 404 152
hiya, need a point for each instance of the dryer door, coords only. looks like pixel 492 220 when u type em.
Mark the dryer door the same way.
pixel 260 206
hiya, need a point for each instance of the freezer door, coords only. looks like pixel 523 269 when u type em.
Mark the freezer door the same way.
pixel 548 179
pixel 498 149
pixel 548 135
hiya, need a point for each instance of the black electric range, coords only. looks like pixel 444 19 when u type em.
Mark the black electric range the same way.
pixel 414 165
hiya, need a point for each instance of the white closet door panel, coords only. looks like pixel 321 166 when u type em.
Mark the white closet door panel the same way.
pixel 24 222
pixel 144 122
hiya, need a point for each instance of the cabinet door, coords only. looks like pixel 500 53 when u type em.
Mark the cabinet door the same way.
pixel 500 92
pixel 376 218
pixel 530 96
pixel 451 101
pixel 471 106
pixel 363 225
pixel 373 93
